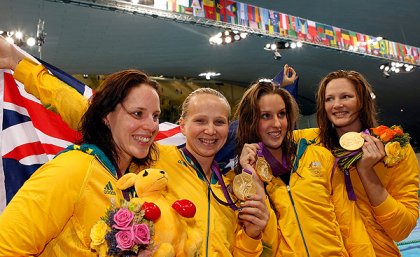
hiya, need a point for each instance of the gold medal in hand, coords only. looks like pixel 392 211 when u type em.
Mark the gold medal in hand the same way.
pixel 243 186
pixel 263 170
pixel 351 141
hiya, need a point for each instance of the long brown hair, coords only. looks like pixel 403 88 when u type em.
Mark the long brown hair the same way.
pixel 113 91
pixel 367 113
pixel 248 115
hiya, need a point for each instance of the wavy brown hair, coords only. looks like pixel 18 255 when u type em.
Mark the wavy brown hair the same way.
pixel 113 91
pixel 367 114
pixel 248 115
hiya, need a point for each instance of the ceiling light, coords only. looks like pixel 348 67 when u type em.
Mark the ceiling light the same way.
pixel 209 75
pixel 395 67
pixel 30 41
pixel 227 37
pixel 18 38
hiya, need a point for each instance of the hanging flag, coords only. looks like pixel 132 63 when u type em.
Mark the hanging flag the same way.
pixel 209 9
pixel 242 14
pixel 231 12
pixel 274 21
pixel 312 33
pixel 265 20
pixel 337 33
pixel 220 10
pixel 198 8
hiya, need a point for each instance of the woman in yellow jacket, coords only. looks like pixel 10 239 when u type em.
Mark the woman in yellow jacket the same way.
pixel 226 229
pixel 315 218
pixel 387 197
pixel 53 212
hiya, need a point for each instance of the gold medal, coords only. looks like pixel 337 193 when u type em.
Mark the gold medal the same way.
pixel 263 170
pixel 244 185
pixel 351 141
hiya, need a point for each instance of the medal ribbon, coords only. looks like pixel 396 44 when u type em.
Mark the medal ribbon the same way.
pixel 347 179
pixel 215 169
pixel 276 167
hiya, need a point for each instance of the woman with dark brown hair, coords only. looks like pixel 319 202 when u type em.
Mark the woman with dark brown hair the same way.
pixel 53 212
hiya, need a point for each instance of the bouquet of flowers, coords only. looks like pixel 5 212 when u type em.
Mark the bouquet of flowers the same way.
pixel 125 230
pixel 396 146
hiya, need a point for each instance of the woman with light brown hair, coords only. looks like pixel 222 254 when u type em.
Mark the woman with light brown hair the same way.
pixel 387 197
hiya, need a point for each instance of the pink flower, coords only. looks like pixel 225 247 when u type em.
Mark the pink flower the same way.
pixel 141 233
pixel 124 239
pixel 123 218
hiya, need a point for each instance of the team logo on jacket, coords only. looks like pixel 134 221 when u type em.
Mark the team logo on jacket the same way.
pixel 108 189
pixel 316 169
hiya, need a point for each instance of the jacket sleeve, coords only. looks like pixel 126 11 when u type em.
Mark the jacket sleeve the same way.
pixel 355 237
pixel 270 236
pixel 399 212
pixel 51 91
pixel 39 210
pixel 246 246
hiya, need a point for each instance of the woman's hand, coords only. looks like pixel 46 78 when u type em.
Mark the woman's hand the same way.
pixel 289 76
pixel 254 213
pixel 10 56
pixel 373 152
pixel 248 155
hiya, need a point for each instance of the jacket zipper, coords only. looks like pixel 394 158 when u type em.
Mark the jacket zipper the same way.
pixel 297 218
pixel 208 221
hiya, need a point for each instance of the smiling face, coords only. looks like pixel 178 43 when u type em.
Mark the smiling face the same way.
pixel 342 105
pixel 272 124
pixel 205 125
pixel 134 123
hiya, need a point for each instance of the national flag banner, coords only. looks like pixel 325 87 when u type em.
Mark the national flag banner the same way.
pixel 274 21
pixel 265 20
pixel 320 33
pixel 220 10
pixel 31 135
pixel 353 38
pixel 383 48
pixel 312 33
pixel 198 8
pixel 329 33
pixel 292 26
pixel 253 17
pixel 284 23
pixel 183 6
pixel 231 10
pixel 368 40
pixel 242 13
pixel 301 28
pixel 415 54
pixel 337 33
pixel 346 38
pixel 161 4
pixel 362 45
pixel 172 5
pixel 209 9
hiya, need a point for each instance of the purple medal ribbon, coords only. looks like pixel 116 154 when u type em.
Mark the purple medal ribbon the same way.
pixel 216 170
pixel 347 179
pixel 276 167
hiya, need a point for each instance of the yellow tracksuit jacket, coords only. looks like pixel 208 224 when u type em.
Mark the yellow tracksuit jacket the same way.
pixel 57 207
pixel 396 217
pixel 312 209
